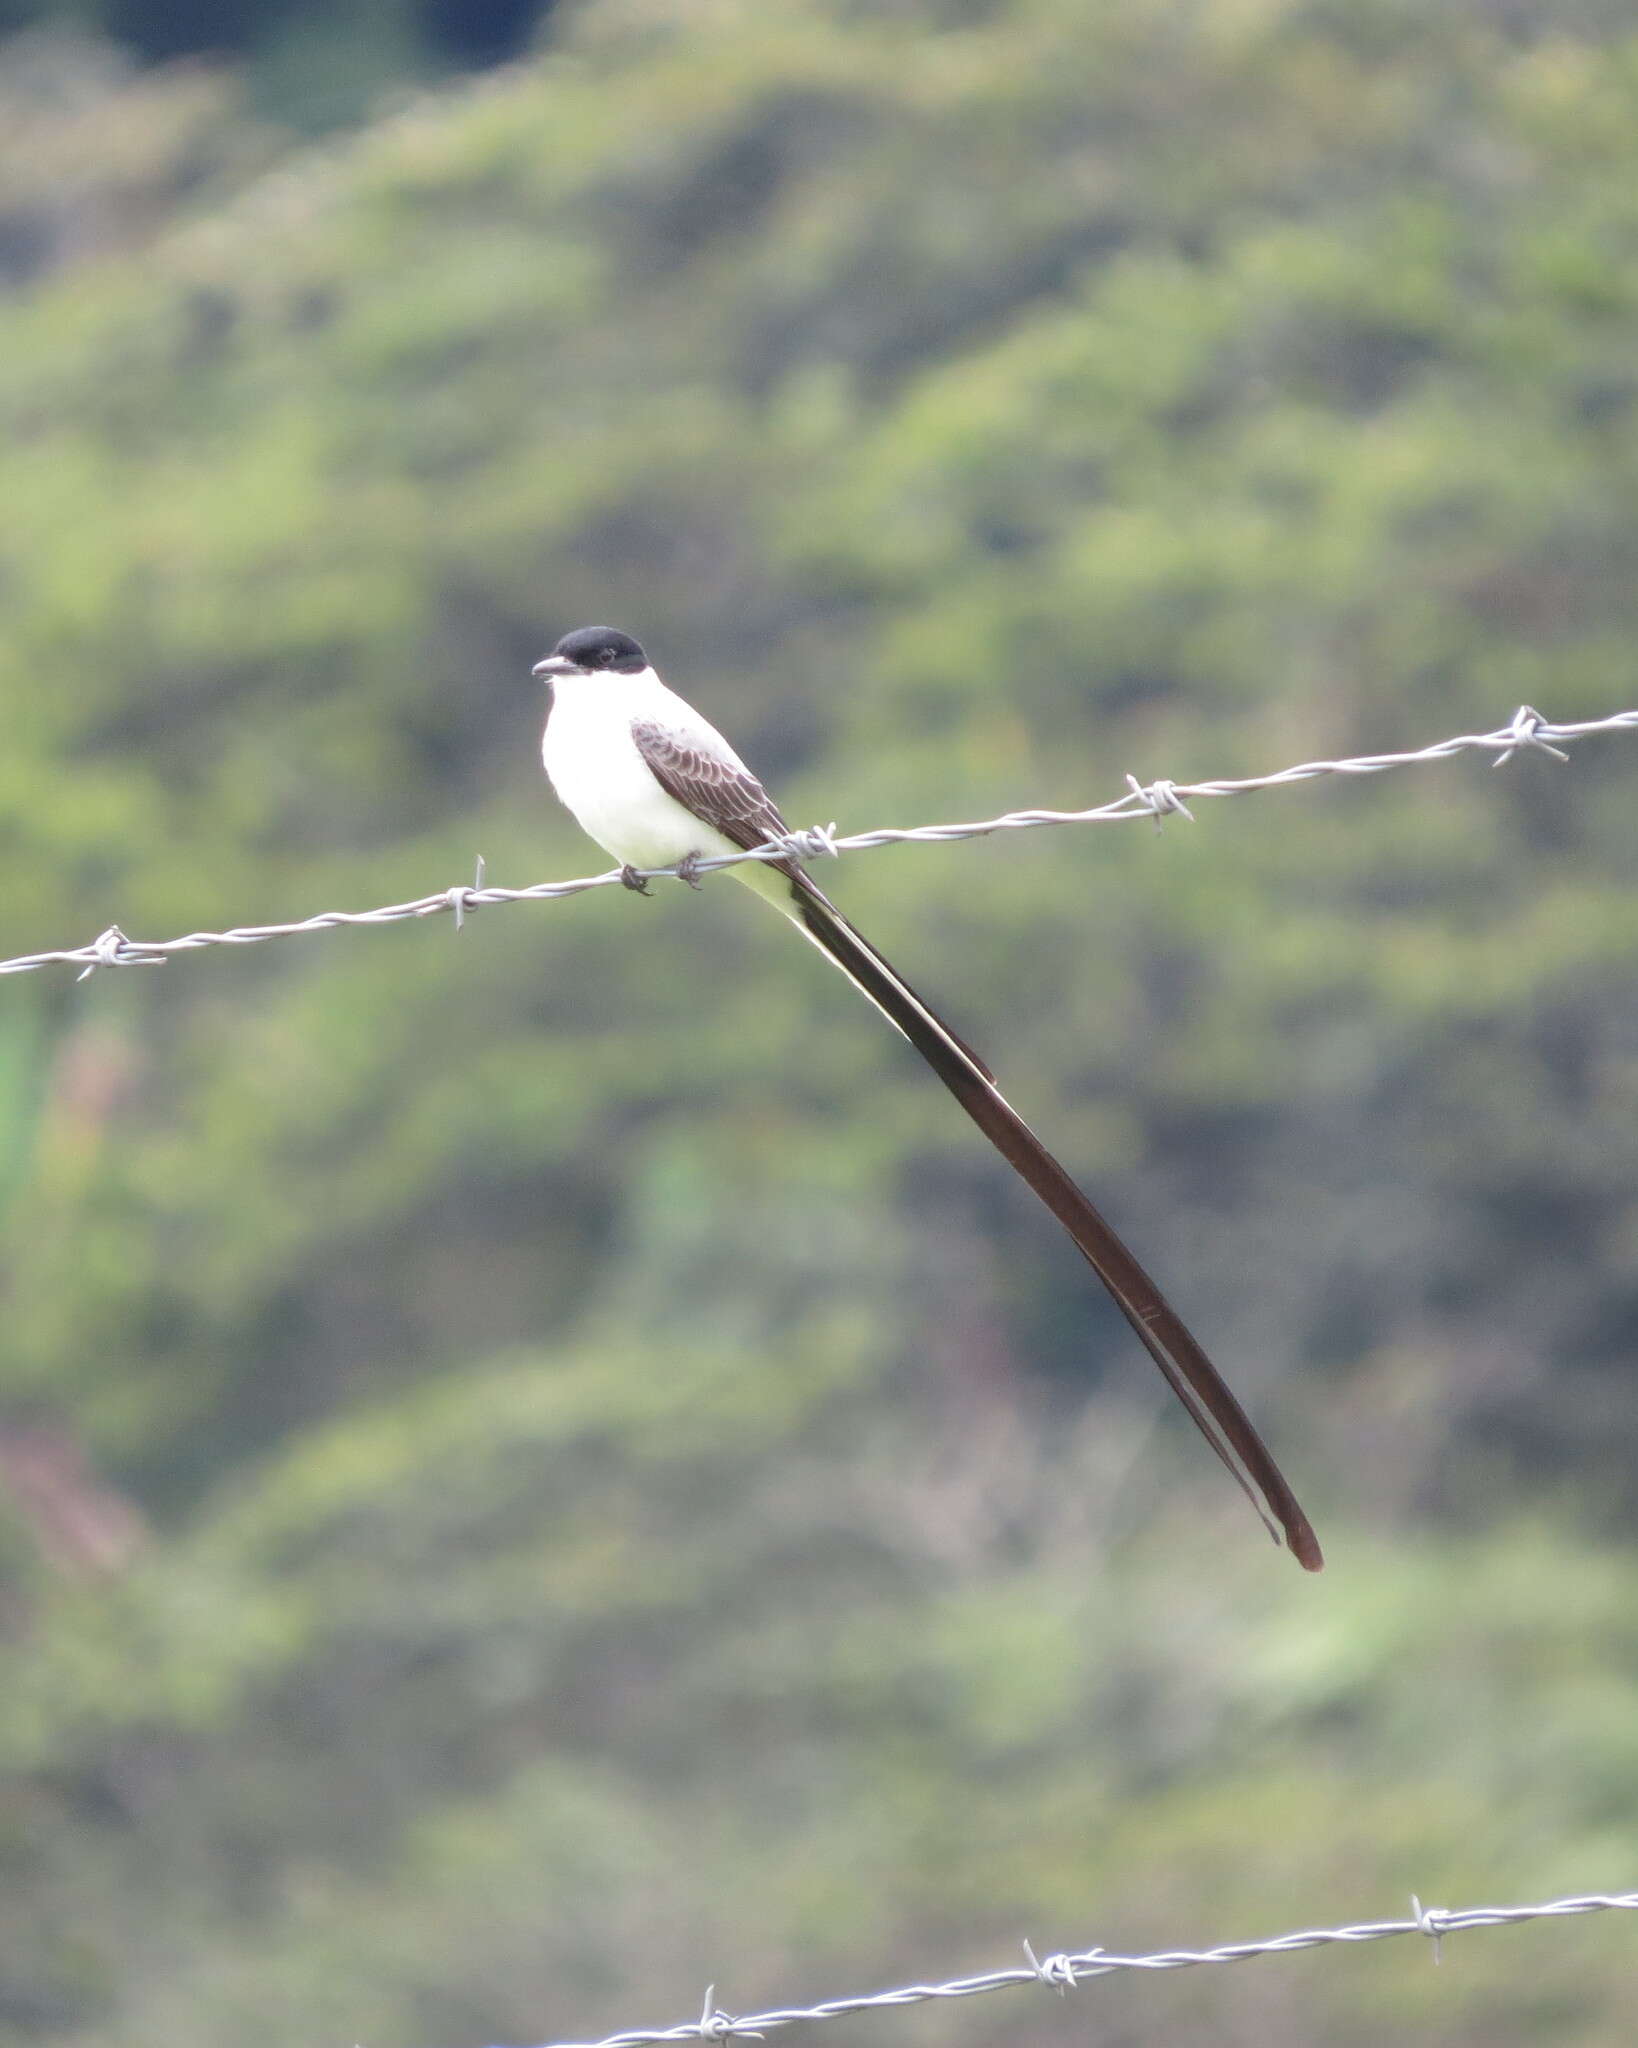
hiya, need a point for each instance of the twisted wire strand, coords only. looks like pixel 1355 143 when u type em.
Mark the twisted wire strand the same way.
pixel 1526 730
pixel 1063 1973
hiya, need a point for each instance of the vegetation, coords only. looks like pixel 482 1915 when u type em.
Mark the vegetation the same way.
pixel 548 1467
pixel 318 66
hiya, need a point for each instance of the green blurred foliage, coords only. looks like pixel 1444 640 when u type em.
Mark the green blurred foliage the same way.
pixel 319 64
pixel 543 1468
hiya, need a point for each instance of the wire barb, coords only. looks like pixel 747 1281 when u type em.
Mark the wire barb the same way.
pixel 462 899
pixel 1162 798
pixel 716 2025
pixel 114 949
pixel 1056 1972
pixel 818 842
pixel 1528 729
pixel 1430 1921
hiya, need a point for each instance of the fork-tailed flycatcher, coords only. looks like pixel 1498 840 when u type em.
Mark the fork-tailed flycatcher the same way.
pixel 659 787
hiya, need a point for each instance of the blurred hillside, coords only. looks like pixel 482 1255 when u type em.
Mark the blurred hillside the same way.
pixel 542 1468
pixel 318 66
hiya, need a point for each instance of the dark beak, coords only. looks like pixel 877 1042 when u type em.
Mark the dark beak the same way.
pixel 553 665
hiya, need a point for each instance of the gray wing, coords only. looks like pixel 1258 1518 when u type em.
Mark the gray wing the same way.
pixel 720 790
pixel 722 793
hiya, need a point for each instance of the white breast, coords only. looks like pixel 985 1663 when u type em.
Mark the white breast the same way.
pixel 594 766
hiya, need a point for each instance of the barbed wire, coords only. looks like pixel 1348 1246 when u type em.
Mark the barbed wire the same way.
pixel 1064 1973
pixel 1527 729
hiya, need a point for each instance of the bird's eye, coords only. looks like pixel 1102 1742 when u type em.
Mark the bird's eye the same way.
pixel 606 656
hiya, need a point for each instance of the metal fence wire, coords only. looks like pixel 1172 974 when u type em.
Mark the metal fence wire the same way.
pixel 1064 1973
pixel 1527 729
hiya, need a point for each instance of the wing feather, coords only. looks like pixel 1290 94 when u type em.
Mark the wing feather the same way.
pixel 718 788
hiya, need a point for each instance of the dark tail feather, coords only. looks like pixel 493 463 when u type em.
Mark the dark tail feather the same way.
pixel 1193 1378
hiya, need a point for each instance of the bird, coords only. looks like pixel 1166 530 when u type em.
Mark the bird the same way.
pixel 657 786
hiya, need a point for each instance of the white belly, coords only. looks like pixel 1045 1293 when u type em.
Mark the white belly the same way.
pixel 593 764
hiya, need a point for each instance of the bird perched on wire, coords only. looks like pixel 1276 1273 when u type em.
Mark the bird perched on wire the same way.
pixel 658 786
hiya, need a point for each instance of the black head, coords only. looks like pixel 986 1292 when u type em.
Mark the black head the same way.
pixel 591 649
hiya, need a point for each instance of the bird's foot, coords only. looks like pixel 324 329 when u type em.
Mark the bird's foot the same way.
pixel 688 869
pixel 630 879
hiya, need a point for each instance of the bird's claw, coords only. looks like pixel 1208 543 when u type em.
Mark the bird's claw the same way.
pixel 630 879
pixel 688 870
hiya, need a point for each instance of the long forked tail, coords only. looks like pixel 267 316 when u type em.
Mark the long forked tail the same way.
pixel 1193 1378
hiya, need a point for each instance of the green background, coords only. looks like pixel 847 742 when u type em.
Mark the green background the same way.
pixel 544 1468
